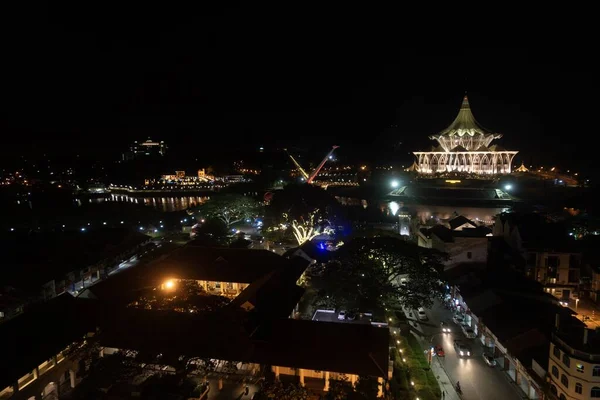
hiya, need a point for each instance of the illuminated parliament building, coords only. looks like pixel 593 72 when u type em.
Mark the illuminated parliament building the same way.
pixel 465 147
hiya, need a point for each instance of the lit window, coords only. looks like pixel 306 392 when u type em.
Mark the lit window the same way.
pixel 580 368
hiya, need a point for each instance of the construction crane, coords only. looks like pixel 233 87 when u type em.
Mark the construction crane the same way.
pixel 311 177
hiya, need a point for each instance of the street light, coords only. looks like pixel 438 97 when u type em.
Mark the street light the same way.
pixel 576 304
pixel 395 183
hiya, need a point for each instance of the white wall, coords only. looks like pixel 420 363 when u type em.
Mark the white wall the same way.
pixel 458 251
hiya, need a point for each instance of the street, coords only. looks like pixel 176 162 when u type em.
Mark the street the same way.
pixel 477 379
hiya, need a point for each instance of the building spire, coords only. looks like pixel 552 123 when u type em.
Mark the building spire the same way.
pixel 465 102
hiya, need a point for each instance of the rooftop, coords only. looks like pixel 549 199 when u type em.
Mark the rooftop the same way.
pixel 283 342
pixel 578 341
pixel 218 264
pixel 34 259
pixel 465 123
pixel 423 193
pixel 33 337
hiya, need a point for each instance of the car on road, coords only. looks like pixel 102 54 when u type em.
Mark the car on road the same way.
pixel 445 327
pixel 342 315
pixel 439 351
pixel 421 314
pixel 489 360
pixel 458 319
pixel 462 350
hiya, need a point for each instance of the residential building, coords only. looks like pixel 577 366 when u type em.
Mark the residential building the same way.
pixel 463 241
pixel 548 255
pixel 512 316
pixel 574 367
pixel 41 266
pixel 40 354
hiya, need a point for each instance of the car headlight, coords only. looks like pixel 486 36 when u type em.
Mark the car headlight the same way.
pixel 468 353
pixel 461 353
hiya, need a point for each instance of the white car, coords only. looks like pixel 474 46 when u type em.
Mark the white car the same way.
pixel 342 315
pixel 421 314
pixel 489 360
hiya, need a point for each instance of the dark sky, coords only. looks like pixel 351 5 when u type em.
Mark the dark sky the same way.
pixel 92 80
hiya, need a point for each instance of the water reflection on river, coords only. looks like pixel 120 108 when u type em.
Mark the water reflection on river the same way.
pixel 173 203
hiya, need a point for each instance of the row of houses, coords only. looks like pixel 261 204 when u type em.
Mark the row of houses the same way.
pixel 40 266
pixel 515 303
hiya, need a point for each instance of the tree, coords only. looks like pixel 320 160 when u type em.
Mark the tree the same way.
pixel 279 391
pixel 305 230
pixel 229 208
pixel 366 388
pixel 379 272
pixel 298 201
pixel 339 389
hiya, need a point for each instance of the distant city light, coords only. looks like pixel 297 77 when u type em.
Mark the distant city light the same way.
pixel 82 229
pixel 104 223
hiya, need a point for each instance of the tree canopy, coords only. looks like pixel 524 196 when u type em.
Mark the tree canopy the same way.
pixel 229 208
pixel 279 391
pixel 298 201
pixel 379 272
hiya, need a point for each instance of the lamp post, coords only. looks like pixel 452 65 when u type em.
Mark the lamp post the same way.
pixel 576 304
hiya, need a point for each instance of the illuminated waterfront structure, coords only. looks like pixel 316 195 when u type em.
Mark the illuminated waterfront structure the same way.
pixel 465 146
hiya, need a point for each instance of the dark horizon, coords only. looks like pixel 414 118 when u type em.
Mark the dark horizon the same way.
pixel 204 83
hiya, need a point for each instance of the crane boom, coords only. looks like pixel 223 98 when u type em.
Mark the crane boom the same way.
pixel 302 171
pixel 316 171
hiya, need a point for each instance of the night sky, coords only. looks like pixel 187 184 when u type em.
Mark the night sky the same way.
pixel 233 77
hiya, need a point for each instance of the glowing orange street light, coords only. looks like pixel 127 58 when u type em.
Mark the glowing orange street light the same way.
pixel 170 284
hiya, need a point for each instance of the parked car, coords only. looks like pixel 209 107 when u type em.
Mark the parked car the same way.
pixel 342 315
pixel 421 314
pixel 462 350
pixel 457 318
pixel 351 316
pixel 445 327
pixel 489 360
pixel 469 333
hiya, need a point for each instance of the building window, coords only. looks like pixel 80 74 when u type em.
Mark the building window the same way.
pixel 566 360
pixel 469 255
pixel 564 380
pixel 596 370
pixel 595 392
pixel 578 388
pixel 553 390
pixel 555 371
pixel 580 368
pixel 562 397
pixel 556 352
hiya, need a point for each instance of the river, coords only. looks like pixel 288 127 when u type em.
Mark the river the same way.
pixel 166 203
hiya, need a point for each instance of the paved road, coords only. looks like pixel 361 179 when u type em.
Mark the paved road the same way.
pixel 477 379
